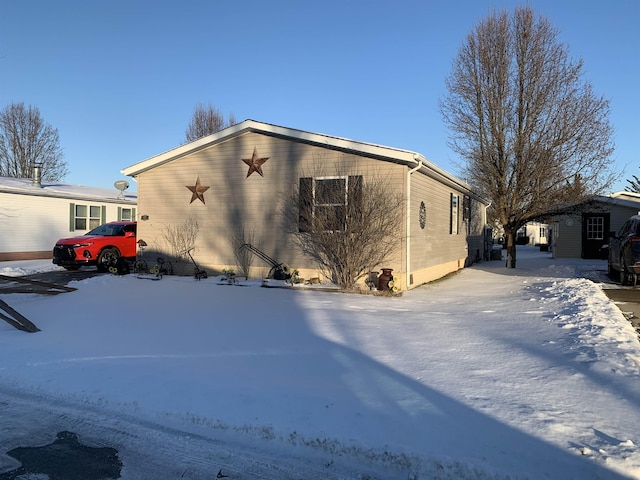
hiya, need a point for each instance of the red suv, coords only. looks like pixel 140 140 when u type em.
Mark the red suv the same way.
pixel 100 247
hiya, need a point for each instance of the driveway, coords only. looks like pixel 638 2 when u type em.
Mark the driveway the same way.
pixel 628 301
pixel 626 298
pixel 63 277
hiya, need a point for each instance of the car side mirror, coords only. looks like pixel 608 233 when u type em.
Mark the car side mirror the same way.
pixel 129 234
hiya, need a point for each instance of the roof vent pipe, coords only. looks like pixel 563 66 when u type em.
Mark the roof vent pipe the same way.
pixel 37 175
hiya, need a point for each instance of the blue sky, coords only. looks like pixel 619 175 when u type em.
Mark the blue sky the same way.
pixel 119 79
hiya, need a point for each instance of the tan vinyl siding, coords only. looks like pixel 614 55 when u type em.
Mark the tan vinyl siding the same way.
pixel 234 200
pixel 567 239
pixel 435 251
pixel 619 215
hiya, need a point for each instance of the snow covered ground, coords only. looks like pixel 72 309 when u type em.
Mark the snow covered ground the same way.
pixel 488 374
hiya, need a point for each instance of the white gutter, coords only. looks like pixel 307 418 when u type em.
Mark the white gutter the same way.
pixel 408 219
pixel 485 213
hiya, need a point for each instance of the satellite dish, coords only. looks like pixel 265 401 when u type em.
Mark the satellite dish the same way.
pixel 121 185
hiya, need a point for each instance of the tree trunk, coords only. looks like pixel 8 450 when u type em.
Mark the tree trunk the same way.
pixel 510 238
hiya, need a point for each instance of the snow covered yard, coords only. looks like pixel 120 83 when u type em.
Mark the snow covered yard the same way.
pixel 490 373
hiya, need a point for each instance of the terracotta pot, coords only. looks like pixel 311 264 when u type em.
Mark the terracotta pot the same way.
pixel 383 279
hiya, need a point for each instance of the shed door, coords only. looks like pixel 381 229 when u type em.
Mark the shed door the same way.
pixel 595 228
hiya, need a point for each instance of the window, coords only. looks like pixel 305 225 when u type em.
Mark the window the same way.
pixel 595 228
pixel 453 227
pixel 543 232
pixel 86 217
pixel 324 202
pixel 94 216
pixel 126 214
pixel 80 217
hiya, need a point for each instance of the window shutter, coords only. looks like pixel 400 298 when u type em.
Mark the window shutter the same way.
pixel 354 197
pixel 450 213
pixel 133 214
pixel 103 215
pixel 453 215
pixel 119 213
pixel 355 190
pixel 72 217
pixel 305 205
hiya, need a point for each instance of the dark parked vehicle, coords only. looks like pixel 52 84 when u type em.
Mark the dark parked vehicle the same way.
pixel 624 252
pixel 101 247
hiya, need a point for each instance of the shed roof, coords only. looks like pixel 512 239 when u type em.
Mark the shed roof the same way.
pixel 621 200
pixel 27 186
pixel 391 154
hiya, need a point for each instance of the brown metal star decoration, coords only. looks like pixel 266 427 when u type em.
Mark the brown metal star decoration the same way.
pixel 197 191
pixel 255 163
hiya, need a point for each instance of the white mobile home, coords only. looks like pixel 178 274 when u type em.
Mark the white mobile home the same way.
pixel 36 213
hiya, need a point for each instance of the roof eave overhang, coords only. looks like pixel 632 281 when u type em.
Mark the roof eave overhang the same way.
pixel 405 157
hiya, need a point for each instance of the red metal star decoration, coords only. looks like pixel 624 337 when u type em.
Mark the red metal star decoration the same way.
pixel 255 163
pixel 197 191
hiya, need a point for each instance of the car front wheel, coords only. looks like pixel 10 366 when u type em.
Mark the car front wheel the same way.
pixel 107 258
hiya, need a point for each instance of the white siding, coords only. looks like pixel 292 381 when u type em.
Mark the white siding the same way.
pixel 31 225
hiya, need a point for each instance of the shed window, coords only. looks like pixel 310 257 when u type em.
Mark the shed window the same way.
pixel 326 203
pixel 595 228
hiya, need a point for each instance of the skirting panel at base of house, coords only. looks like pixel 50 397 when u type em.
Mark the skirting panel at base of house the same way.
pixel 13 256
pixel 426 275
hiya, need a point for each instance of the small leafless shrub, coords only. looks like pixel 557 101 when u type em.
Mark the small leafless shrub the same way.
pixel 244 257
pixel 181 237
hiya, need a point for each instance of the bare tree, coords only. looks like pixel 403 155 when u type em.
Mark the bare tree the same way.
pixel 533 136
pixel 348 224
pixel 206 120
pixel 26 141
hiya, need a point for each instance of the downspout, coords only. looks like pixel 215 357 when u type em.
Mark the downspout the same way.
pixel 408 220
pixel 485 213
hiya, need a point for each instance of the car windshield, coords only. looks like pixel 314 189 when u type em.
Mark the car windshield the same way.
pixel 108 230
